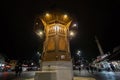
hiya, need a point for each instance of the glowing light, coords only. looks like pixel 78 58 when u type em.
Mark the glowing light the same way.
pixel 47 15
pixel 81 65
pixel 3 64
pixel 65 16
pixel 56 28
pixel 72 33
pixel 74 25
pixel 36 23
pixel 41 33
pixel 78 52
pixel 32 63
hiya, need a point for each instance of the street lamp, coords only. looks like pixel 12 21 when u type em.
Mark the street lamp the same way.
pixel 40 33
pixel 74 25
pixel 80 58
pixel 47 15
pixel 72 34
pixel 79 53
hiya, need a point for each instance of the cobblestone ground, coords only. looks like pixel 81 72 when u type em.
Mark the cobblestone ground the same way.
pixel 83 75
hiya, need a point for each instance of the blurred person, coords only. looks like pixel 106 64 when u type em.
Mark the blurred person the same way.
pixel 16 70
pixel 79 68
pixel 112 67
pixel 87 68
pixel 20 69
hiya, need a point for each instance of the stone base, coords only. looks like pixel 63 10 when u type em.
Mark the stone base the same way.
pixel 63 69
pixel 51 75
pixel 84 78
pixel 45 75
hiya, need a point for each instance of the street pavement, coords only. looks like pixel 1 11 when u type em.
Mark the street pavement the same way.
pixel 103 75
pixel 29 75
pixel 82 75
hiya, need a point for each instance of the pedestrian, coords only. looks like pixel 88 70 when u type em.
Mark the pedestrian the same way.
pixel 91 68
pixel 79 68
pixel 20 69
pixel 87 68
pixel 16 70
pixel 112 67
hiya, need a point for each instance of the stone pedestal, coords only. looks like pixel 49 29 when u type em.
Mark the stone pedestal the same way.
pixel 45 75
pixel 63 69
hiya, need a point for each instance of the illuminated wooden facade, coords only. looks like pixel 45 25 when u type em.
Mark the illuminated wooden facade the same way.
pixel 56 44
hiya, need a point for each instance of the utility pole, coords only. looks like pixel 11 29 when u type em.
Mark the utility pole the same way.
pixel 99 46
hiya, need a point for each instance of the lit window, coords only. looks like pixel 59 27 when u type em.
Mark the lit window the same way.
pixel 56 28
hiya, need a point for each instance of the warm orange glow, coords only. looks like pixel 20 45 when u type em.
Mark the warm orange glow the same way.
pixel 72 33
pixel 65 16
pixel 56 28
pixel 40 33
pixel 47 15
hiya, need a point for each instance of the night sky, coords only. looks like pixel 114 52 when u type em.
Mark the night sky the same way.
pixel 100 18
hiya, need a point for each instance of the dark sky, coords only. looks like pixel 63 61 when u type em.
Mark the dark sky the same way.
pixel 100 18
